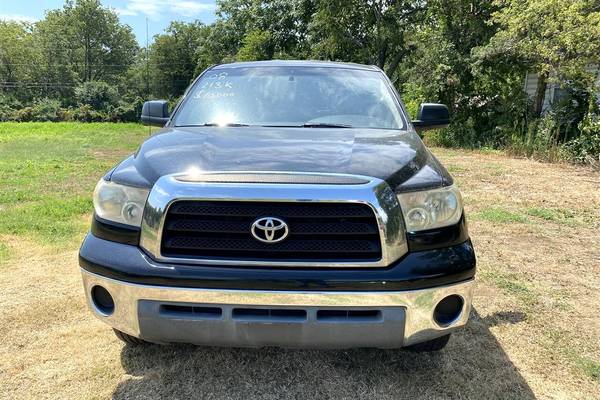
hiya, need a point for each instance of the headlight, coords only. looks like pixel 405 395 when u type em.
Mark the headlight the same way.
pixel 119 203
pixel 431 209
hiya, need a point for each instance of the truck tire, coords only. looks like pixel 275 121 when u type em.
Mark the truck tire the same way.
pixel 436 344
pixel 132 340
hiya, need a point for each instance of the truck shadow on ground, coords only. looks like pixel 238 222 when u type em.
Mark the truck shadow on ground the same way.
pixel 473 365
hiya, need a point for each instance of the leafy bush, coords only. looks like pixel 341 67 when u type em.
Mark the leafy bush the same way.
pixel 539 139
pixel 124 112
pixel 570 131
pixel 97 94
pixel 46 110
pixel 66 114
pixel 586 147
pixel 42 110
pixel 8 105
pixel 51 110
pixel 85 113
pixel 24 114
pixel 457 134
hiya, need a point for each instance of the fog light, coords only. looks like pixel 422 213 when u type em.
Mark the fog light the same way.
pixel 448 310
pixel 102 300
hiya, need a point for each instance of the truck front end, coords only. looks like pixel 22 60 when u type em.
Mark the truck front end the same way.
pixel 262 233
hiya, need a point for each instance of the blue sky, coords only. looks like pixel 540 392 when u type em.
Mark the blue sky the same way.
pixel 131 12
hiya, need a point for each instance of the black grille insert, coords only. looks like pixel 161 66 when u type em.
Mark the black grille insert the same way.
pixel 264 314
pixel 317 231
pixel 190 311
pixel 349 315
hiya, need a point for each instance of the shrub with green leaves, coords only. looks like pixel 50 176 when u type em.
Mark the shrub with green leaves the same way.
pixel 8 105
pixel 97 94
pixel 586 147
pixel 86 113
pixel 45 110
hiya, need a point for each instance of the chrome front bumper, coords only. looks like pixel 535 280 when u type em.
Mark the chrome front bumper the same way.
pixel 405 317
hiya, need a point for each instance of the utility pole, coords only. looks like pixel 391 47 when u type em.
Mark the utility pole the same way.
pixel 148 72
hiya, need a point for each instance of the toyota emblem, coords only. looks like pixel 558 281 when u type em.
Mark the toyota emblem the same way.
pixel 269 230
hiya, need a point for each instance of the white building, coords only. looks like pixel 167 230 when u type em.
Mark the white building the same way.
pixel 553 91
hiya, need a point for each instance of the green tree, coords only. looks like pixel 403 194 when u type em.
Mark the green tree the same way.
pixel 106 46
pixel 443 68
pixel 257 45
pixel 82 42
pixel 57 70
pixel 365 31
pixel 16 53
pixel 286 21
pixel 257 29
pixel 173 57
pixel 557 39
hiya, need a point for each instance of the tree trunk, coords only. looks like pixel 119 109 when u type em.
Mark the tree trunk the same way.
pixel 540 94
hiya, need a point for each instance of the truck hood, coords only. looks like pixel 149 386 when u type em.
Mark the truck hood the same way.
pixel 392 155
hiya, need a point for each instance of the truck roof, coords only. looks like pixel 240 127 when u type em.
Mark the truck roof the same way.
pixel 296 63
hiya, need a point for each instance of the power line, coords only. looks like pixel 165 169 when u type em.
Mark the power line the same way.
pixel 78 82
pixel 34 85
pixel 33 64
pixel 8 85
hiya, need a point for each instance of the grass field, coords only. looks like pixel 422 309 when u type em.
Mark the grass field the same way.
pixel 534 331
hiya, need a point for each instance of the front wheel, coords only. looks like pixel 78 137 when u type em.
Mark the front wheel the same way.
pixel 132 340
pixel 436 344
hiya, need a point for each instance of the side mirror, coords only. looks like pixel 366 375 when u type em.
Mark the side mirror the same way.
pixel 155 112
pixel 431 116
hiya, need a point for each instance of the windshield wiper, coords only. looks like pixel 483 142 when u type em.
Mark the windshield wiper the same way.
pixel 310 125
pixel 231 124
pixel 325 125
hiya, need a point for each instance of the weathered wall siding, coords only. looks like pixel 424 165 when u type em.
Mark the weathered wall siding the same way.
pixel 531 80
pixel 530 86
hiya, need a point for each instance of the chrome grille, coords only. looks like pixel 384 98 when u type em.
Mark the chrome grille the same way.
pixel 318 231
pixel 166 229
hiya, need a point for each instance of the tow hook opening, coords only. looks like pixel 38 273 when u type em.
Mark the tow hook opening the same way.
pixel 448 310
pixel 102 300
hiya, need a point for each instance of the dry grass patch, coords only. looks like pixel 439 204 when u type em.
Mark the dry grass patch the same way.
pixel 534 332
pixel 535 229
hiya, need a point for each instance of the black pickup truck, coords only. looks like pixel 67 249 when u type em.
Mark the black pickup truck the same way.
pixel 284 203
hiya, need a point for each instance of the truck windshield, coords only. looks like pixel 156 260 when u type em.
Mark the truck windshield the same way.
pixel 291 97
